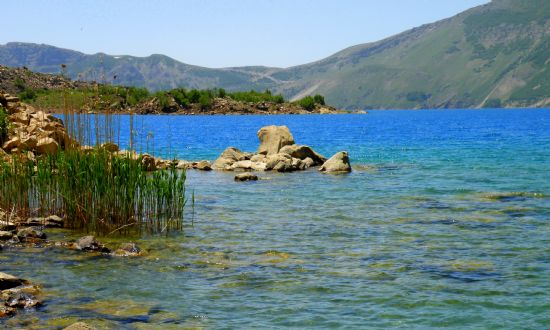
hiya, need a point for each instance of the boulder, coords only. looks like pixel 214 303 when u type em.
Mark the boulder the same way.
pixel 7 225
pixel 247 176
pixel 12 143
pixel 29 143
pixel 183 165
pixel 30 233
pixel 303 152
pixel 89 243
pixel 20 117
pixel 8 281
pixel 273 138
pixel 337 163
pixel 53 221
pixel 272 160
pixel 6 311
pixel 228 157
pixel 203 165
pixel 46 146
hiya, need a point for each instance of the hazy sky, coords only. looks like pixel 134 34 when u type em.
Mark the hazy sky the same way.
pixel 218 33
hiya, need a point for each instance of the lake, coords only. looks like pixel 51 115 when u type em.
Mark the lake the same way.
pixel 444 222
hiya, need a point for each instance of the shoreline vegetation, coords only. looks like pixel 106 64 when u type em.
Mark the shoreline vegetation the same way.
pixel 54 93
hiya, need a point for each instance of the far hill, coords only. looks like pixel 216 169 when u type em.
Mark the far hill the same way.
pixel 492 55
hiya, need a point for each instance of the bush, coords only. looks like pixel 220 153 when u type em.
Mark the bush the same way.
pixel 205 101
pixel 319 99
pixel 27 95
pixel 493 103
pixel 221 93
pixel 256 97
pixel 194 96
pixel 307 103
pixel 135 95
pixel 162 99
pixel 20 84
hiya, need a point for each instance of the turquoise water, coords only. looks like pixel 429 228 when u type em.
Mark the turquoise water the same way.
pixel 444 222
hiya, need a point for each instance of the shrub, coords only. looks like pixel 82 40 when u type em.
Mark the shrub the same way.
pixel 493 103
pixel 20 84
pixel 307 103
pixel 319 99
pixel 27 95
pixel 205 101
pixel 221 93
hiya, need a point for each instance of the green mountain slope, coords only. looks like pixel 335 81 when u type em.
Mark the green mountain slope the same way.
pixel 496 54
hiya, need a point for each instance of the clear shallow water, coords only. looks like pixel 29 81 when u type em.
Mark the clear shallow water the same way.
pixel 444 222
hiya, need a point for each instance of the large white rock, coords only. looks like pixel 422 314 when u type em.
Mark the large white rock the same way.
pixel 273 138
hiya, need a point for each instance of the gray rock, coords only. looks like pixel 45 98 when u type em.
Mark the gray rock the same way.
pixel 30 233
pixel 273 138
pixel 89 243
pixel 337 163
pixel 22 300
pixel 247 176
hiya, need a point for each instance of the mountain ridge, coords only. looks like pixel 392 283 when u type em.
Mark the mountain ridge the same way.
pixel 491 55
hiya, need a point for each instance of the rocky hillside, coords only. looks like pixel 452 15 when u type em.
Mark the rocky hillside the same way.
pixel 492 55
pixel 52 93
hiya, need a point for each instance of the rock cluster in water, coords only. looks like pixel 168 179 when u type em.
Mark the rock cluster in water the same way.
pixel 278 152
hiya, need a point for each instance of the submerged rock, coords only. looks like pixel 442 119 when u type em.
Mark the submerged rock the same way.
pixel 128 250
pixel 90 243
pixel 246 177
pixel 273 138
pixel 337 163
pixel 22 300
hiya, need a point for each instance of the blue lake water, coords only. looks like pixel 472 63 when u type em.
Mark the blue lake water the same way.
pixel 444 222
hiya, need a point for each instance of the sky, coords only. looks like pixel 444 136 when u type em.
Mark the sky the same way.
pixel 218 33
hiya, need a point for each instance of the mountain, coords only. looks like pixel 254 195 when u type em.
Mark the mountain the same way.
pixel 492 55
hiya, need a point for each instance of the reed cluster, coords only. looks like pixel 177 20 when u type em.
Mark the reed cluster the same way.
pixel 95 192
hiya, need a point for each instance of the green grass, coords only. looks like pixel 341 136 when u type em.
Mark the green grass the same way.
pixel 3 125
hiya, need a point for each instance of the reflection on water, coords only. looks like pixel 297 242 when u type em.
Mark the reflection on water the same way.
pixel 436 227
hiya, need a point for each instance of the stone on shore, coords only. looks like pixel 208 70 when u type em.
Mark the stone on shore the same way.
pixel 30 233
pixel 337 163
pixel 247 176
pixel 46 146
pixel 5 235
pixel 273 138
